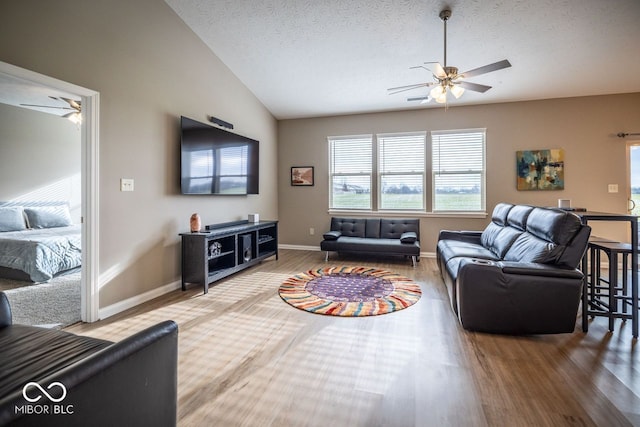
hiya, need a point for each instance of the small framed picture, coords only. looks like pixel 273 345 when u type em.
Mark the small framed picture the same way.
pixel 302 175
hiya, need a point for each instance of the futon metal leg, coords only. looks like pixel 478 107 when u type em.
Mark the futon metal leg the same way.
pixel 326 256
pixel 413 261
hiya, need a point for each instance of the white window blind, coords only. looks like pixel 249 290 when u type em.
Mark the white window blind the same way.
pixel 401 170
pixel 351 161
pixel 458 165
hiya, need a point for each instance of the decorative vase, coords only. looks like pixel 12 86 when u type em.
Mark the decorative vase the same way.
pixel 195 223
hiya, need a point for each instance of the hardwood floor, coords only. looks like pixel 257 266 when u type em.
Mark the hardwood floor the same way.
pixel 246 358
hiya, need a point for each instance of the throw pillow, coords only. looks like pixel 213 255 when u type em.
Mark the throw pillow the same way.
pixel 331 235
pixel 12 218
pixel 408 237
pixel 48 216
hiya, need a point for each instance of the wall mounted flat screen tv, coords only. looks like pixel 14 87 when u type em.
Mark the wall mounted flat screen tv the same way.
pixel 216 161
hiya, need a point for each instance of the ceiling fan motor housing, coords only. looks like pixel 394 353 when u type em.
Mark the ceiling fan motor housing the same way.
pixel 451 72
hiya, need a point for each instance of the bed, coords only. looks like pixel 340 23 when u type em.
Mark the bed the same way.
pixel 38 242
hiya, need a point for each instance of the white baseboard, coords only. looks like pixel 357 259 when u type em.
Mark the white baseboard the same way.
pixel 121 306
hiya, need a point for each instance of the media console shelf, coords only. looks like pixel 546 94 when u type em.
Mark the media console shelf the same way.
pixel 224 249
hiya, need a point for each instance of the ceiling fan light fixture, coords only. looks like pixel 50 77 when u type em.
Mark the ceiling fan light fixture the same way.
pixel 437 91
pixel 74 118
pixel 457 91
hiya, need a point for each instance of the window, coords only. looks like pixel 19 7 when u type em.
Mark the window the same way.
pixel 401 170
pixel 458 167
pixel 351 170
pixel 391 172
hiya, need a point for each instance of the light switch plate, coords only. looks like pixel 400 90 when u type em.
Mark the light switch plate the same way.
pixel 613 188
pixel 126 184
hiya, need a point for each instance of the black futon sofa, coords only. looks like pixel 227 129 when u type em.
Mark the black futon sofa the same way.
pixel 518 276
pixel 55 378
pixel 382 236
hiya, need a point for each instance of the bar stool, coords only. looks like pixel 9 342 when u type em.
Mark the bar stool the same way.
pixel 606 296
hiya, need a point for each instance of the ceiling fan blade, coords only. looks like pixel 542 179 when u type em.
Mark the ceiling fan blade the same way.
pixel 72 102
pixel 47 106
pixel 437 70
pixel 486 69
pixel 394 90
pixel 419 98
pixel 474 86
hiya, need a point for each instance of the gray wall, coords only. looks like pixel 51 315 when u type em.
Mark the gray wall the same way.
pixel 149 68
pixel 584 127
pixel 39 158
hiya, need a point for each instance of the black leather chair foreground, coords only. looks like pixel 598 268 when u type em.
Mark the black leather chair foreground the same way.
pixel 518 276
pixel 55 378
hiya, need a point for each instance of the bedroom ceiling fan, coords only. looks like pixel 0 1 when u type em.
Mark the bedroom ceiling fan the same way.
pixel 74 107
pixel 446 78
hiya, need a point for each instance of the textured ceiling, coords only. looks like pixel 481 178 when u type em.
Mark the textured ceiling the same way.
pixel 306 58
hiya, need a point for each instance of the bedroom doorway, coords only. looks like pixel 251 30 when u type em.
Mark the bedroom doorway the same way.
pixel 89 135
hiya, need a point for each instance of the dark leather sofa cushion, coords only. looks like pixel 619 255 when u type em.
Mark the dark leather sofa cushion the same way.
pixel 518 216
pixel 372 228
pixel 352 227
pixel 449 249
pixel 29 353
pixel 553 225
pixel 499 239
pixel 355 244
pixel 392 228
pixel 500 213
pixel 529 248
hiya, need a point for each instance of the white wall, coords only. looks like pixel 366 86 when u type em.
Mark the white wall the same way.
pixel 39 158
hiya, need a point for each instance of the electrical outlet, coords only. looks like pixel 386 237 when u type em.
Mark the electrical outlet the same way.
pixel 312 231
pixel 126 184
pixel 613 188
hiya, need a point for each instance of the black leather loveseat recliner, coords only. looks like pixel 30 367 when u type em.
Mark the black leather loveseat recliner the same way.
pixel 518 276
pixel 54 378
pixel 382 236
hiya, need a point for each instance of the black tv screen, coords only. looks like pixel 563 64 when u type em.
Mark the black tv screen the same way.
pixel 216 161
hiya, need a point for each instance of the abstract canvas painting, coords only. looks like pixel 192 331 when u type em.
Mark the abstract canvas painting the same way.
pixel 540 169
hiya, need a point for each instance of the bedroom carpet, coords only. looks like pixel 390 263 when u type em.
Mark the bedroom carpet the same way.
pixel 55 304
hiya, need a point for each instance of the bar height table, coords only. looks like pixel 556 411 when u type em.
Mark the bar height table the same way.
pixel 587 216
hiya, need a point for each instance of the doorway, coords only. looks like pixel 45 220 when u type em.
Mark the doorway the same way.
pixel 89 131
pixel 633 155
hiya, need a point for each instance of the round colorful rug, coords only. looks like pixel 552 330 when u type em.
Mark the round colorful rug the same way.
pixel 349 291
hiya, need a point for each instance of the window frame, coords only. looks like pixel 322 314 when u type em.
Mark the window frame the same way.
pixel 333 139
pixel 429 208
pixel 482 171
pixel 379 173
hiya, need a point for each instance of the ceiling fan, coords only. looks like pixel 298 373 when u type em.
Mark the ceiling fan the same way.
pixel 74 107
pixel 447 78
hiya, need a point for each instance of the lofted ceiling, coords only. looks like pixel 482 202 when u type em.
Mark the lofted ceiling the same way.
pixel 307 58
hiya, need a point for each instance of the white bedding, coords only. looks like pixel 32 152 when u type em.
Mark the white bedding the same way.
pixel 42 253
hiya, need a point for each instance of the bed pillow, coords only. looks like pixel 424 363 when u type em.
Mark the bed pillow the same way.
pixel 12 218
pixel 48 216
